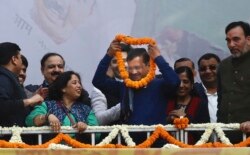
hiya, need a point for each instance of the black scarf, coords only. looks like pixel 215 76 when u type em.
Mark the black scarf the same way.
pixel 126 105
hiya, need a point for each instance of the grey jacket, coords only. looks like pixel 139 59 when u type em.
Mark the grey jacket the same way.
pixel 104 115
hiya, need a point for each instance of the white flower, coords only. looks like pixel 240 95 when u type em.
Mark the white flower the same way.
pixel 222 136
pixel 127 138
pixel 58 146
pixel 205 136
pixel 124 130
pixel 16 135
pixel 170 146
pixel 110 137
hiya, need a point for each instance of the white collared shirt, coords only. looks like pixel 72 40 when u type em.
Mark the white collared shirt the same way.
pixel 212 105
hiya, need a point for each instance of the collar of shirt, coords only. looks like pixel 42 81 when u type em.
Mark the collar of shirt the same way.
pixel 208 94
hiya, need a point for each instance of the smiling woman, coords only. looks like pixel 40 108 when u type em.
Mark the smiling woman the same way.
pixel 187 103
pixel 69 105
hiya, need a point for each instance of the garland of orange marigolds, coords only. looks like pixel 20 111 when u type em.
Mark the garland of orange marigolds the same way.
pixel 159 132
pixel 121 65
pixel 181 123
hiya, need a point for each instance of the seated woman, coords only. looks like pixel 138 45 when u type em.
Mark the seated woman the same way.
pixel 68 107
pixel 187 103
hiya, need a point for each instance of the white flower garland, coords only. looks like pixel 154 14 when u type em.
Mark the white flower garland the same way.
pixel 109 138
pixel 127 138
pixel 170 146
pixel 123 129
pixel 222 136
pixel 16 135
pixel 114 133
pixel 205 136
pixel 54 146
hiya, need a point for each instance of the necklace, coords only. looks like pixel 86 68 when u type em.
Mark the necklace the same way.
pixel 184 102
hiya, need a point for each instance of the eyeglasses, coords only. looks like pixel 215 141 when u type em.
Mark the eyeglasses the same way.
pixel 210 67
pixel 136 68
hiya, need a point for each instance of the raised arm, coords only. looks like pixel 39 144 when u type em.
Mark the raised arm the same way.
pixel 169 76
pixel 104 115
pixel 101 80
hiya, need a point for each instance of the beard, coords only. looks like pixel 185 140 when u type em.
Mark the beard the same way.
pixel 239 53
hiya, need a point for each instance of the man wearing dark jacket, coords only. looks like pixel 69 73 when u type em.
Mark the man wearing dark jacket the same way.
pixel 13 102
pixel 146 105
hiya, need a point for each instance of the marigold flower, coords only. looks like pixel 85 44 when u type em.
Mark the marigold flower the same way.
pixel 121 66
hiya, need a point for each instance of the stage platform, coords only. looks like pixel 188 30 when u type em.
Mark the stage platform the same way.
pixel 150 151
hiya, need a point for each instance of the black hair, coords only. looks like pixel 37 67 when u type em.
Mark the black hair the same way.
pixel 208 56
pixel 7 51
pixel 245 26
pixel 125 47
pixel 187 70
pixel 56 88
pixel 138 52
pixel 24 61
pixel 46 56
pixel 182 60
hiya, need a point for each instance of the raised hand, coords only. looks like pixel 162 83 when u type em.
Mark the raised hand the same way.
pixel 34 100
pixel 153 51
pixel 42 92
pixel 113 47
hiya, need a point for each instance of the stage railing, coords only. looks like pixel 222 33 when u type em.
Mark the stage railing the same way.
pixel 179 134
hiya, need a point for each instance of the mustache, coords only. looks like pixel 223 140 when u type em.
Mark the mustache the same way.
pixel 21 76
pixel 55 73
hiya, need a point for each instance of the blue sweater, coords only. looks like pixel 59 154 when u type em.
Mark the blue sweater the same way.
pixel 149 103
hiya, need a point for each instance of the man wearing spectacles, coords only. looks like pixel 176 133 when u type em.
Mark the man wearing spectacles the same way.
pixel 146 105
pixel 207 65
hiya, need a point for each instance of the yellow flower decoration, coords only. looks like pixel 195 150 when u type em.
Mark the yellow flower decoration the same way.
pixel 121 65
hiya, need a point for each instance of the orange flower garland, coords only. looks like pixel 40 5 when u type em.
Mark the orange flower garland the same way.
pixel 159 132
pixel 121 66
pixel 181 123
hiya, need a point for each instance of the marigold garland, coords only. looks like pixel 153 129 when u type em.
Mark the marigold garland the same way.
pixel 159 132
pixel 181 123
pixel 121 65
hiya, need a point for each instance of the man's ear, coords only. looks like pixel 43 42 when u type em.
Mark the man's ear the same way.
pixel 42 70
pixel 14 59
pixel 248 40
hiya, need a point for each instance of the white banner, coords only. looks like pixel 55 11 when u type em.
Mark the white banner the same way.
pixel 81 30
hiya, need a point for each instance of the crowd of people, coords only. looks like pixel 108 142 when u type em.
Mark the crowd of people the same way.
pixel 61 100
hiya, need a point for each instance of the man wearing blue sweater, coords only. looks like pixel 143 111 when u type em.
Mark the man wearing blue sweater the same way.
pixel 146 105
